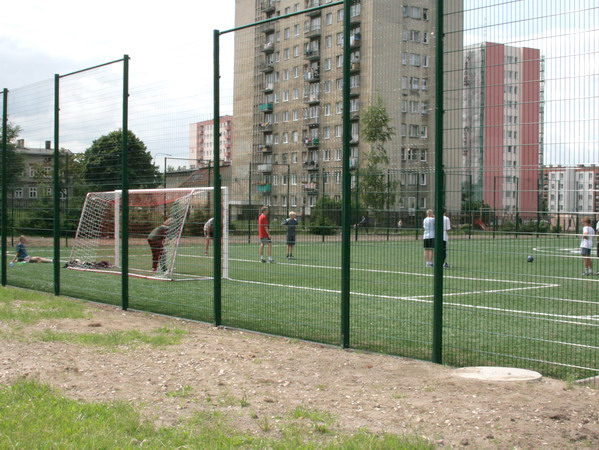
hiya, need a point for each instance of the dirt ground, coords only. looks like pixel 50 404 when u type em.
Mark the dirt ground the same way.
pixel 256 379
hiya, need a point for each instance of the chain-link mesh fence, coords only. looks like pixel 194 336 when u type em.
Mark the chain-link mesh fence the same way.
pixel 317 93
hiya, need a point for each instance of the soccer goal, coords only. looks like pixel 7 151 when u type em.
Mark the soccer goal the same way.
pixel 179 253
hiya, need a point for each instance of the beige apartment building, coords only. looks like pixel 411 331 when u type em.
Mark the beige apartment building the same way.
pixel 288 100
pixel 201 140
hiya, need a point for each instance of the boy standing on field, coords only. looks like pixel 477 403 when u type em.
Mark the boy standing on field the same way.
pixel 264 235
pixel 586 244
pixel 208 234
pixel 291 224
pixel 429 237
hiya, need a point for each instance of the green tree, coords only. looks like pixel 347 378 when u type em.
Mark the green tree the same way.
pixel 102 164
pixel 15 162
pixel 377 192
pixel 325 217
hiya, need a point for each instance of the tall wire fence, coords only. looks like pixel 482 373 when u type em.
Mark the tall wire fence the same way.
pixel 415 180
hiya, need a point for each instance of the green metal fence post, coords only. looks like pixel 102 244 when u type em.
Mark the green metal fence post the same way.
pixel 4 217
pixel 217 186
pixel 346 198
pixel 125 189
pixel 437 351
pixel 56 176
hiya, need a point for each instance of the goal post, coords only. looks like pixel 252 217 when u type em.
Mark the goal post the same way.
pixel 177 215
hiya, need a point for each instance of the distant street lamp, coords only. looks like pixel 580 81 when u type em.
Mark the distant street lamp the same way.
pixel 166 155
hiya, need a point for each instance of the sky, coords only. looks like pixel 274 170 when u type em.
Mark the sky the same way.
pixel 171 51
pixel 39 39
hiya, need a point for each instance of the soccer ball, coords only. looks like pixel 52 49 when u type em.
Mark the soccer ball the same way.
pixel 530 258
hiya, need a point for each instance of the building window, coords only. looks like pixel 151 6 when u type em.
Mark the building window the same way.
pixel 32 192
pixel 338 131
pixel 329 19
pixel 328 42
pixel 328 64
pixel 18 193
pixel 338 154
pixel 327 86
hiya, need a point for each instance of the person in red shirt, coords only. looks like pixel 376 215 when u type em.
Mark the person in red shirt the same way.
pixel 264 235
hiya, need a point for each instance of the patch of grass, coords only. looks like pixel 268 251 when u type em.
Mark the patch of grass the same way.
pixel 244 402
pixel 302 412
pixel 264 424
pixel 116 339
pixel 29 307
pixel 33 415
pixel 181 392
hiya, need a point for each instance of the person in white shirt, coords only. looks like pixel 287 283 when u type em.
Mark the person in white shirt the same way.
pixel 586 244
pixel 208 234
pixel 429 237
pixel 446 228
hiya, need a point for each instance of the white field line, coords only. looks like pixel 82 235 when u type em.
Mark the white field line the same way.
pixel 537 285
pixel 419 299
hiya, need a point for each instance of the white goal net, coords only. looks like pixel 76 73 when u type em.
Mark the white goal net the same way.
pixel 165 235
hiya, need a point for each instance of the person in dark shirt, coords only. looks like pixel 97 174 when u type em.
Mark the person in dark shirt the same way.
pixel 291 224
pixel 156 240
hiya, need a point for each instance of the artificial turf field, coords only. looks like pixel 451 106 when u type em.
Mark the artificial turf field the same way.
pixel 499 309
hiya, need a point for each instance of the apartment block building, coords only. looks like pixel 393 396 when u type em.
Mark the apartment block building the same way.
pixel 502 120
pixel 571 188
pixel 201 140
pixel 288 99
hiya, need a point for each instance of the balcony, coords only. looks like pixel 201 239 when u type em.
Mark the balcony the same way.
pixel 354 116
pixel 312 76
pixel 310 187
pixel 264 188
pixel 315 32
pixel 353 163
pixel 311 143
pixel 312 122
pixel 267 28
pixel 355 66
pixel 312 55
pixel 265 127
pixel 312 99
pixel 314 4
pixel 268 88
pixel 265 148
pixel 268 7
pixel 311 165
pixel 355 40
pixel 269 47
pixel 354 91
pixel 264 167
pixel 355 140
pixel 265 107
pixel 266 67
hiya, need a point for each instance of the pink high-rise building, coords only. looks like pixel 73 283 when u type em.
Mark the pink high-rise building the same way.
pixel 201 139
pixel 502 147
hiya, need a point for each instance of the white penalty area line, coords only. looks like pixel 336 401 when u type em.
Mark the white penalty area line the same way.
pixel 425 299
